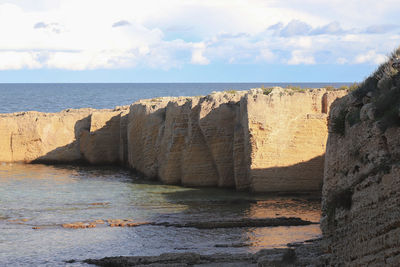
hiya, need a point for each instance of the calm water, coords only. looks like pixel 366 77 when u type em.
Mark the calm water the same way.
pixel 56 97
pixel 49 196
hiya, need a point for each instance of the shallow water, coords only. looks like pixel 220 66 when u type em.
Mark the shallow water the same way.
pixel 49 196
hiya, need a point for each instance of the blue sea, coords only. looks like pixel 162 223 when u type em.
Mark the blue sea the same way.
pixel 54 97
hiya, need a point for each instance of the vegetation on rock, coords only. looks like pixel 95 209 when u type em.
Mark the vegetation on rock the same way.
pixel 382 89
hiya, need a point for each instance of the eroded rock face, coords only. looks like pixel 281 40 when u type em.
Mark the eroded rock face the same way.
pixel 245 139
pixel 29 136
pixel 287 136
pixel 248 140
pixel 102 143
pixel 361 199
pixel 64 137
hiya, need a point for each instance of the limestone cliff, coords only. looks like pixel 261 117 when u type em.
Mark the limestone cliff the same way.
pixel 249 140
pixel 361 192
pixel 256 140
pixel 64 137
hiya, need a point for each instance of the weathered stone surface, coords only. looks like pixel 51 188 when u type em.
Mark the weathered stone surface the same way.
pixel 101 143
pixel 64 137
pixel 361 199
pixel 29 136
pixel 242 139
pixel 287 135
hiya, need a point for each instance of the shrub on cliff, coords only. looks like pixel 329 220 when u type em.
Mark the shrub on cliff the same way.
pixel 231 91
pixel 382 89
pixel 266 90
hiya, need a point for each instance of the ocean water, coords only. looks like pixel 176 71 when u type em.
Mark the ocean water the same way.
pixel 56 97
pixel 49 196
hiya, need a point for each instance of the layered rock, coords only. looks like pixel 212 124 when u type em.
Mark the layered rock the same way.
pixel 361 192
pixel 249 140
pixel 64 137
pixel 103 142
pixel 287 136
pixel 257 140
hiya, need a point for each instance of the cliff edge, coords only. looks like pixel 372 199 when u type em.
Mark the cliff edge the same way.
pixel 361 191
pixel 258 140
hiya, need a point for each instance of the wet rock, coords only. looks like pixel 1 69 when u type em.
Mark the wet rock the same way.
pixel 78 225
pixel 36 227
pixel 124 222
pixel 117 222
pixel 135 224
pixel 305 255
pixel 175 259
pixel 233 245
pixel 267 222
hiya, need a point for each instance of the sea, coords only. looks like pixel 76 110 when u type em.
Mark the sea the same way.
pixel 54 97
pixel 36 200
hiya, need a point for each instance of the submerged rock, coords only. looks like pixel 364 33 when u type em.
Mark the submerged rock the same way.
pixel 79 225
pixel 246 222
pixel 305 255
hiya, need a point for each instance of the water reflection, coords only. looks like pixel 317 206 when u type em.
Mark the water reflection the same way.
pixel 48 196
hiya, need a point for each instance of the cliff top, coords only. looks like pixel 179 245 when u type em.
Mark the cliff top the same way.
pixel 65 111
pixel 290 90
pixel 376 99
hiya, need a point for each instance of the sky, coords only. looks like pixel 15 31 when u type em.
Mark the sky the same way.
pixel 195 40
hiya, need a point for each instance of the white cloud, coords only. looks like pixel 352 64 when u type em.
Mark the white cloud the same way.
pixel 93 34
pixel 382 28
pixel 266 55
pixel 342 60
pixel 299 58
pixel 330 28
pixel 371 57
pixel 197 55
pixel 11 60
pixel 295 27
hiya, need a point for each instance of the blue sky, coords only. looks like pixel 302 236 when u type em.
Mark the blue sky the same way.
pixel 195 40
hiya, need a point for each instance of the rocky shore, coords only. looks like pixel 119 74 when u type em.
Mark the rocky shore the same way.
pixel 360 202
pixel 213 224
pixel 257 140
pixel 308 254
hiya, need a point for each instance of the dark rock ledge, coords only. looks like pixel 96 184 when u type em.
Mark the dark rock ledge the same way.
pixel 246 222
pixel 303 255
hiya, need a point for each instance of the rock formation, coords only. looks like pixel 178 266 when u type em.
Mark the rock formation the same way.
pixel 361 192
pixel 244 139
pixel 254 140
pixel 64 137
